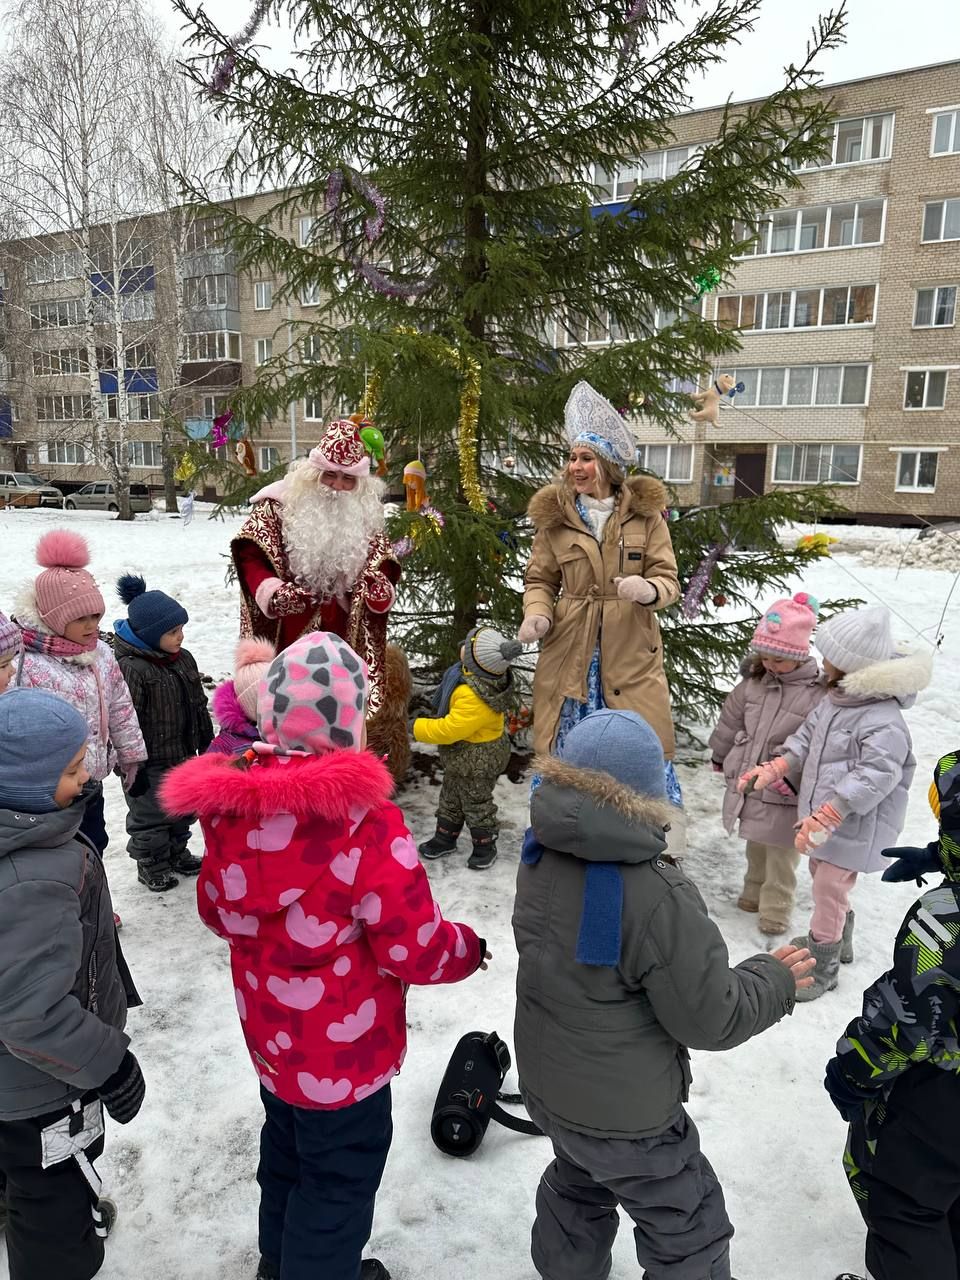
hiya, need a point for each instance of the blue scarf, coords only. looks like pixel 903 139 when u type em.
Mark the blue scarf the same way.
pixel 441 699
pixel 598 941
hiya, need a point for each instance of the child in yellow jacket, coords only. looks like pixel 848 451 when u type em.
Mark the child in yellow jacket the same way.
pixel 468 726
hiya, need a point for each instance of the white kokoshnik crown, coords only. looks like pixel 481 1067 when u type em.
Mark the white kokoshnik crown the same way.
pixel 590 420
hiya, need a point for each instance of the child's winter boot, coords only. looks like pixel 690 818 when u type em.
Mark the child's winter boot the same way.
pixel 827 956
pixel 484 849
pixel 846 942
pixel 373 1269
pixel 156 876
pixel 184 863
pixel 444 840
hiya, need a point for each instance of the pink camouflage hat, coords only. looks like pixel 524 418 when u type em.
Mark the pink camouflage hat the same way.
pixel 313 698
pixel 784 630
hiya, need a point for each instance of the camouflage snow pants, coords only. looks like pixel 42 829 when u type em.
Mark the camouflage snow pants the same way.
pixel 470 773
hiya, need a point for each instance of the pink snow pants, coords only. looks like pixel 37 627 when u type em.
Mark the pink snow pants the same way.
pixel 831 900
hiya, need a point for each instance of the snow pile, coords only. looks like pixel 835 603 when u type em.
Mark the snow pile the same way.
pixel 939 551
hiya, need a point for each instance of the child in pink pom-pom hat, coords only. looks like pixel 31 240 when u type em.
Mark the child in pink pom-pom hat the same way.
pixel 781 685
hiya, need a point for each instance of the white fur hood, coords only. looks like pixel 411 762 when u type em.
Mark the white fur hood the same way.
pixel 901 677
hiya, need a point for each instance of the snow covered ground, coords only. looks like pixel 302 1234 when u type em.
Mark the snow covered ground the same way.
pixel 183 1172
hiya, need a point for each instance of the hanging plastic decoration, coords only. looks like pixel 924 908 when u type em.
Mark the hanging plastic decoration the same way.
pixel 186 510
pixel 219 435
pixel 708 402
pixel 415 483
pixel 692 601
pixel 197 428
pixel 246 457
pixel 818 542
pixel 222 76
pixel 467 428
pixel 185 470
pixel 638 9
pixel 708 280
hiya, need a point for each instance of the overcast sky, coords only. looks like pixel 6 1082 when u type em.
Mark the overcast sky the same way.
pixel 882 35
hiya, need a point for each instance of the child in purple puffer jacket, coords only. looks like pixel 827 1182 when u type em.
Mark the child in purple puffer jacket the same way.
pixel 234 703
pixel 782 685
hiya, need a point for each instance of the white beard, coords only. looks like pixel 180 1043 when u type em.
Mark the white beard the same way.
pixel 326 532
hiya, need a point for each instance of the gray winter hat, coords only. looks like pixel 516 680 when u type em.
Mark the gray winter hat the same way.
pixel 857 639
pixel 39 736
pixel 619 743
pixel 488 653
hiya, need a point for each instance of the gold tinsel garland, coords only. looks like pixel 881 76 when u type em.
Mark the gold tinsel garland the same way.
pixel 469 369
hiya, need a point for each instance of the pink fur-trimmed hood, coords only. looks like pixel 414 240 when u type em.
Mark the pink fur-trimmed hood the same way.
pixel 227 710
pixel 330 788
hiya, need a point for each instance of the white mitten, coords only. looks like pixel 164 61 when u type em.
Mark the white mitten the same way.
pixel 637 589
pixel 533 628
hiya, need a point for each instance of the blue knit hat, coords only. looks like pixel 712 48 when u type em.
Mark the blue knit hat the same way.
pixel 622 744
pixel 39 736
pixel 151 614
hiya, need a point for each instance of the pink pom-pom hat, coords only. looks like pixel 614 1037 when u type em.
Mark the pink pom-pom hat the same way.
pixel 252 662
pixel 785 629
pixel 65 591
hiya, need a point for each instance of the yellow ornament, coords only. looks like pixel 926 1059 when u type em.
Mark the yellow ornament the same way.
pixel 819 542
pixel 185 470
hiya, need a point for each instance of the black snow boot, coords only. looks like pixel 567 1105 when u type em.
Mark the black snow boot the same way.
pixel 184 863
pixel 267 1271
pixel 373 1269
pixel 157 877
pixel 484 849
pixel 444 840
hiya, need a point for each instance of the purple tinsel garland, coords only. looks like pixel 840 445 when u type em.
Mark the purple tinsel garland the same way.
pixel 698 584
pixel 222 76
pixel 638 9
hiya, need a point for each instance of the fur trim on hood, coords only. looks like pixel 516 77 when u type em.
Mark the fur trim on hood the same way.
pixel 227 710
pixel 326 787
pixel 25 615
pixel 604 789
pixel 899 677
pixel 547 507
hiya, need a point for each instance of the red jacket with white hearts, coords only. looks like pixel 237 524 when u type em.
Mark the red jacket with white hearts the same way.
pixel 313 878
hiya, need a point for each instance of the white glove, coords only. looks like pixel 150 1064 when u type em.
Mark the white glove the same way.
pixel 533 628
pixel 637 589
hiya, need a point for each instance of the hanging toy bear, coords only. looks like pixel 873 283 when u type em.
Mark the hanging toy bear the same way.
pixel 708 402
pixel 246 457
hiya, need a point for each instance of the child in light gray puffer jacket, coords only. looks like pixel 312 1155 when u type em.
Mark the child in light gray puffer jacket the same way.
pixel 781 687
pixel 851 762
pixel 621 972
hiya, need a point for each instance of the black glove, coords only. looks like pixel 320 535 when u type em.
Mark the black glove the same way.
pixel 846 1096
pixel 483 952
pixel 122 1094
pixel 913 864
pixel 140 784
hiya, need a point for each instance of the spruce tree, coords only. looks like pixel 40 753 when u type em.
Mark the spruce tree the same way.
pixel 449 151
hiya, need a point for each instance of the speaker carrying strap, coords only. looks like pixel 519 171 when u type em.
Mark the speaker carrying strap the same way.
pixel 514 1122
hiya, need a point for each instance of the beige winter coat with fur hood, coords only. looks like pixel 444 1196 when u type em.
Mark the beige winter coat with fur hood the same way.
pixel 570 580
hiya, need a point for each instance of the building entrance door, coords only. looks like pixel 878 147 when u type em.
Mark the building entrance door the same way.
pixel 750 469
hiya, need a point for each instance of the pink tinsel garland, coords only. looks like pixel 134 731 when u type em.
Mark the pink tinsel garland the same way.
pixel 698 584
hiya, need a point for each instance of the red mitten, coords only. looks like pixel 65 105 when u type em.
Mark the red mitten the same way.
pixel 278 599
pixel 380 594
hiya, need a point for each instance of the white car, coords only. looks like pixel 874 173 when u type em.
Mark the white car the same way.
pixel 24 489
pixel 100 495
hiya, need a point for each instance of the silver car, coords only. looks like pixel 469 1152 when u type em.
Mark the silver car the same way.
pixel 101 496
pixel 24 489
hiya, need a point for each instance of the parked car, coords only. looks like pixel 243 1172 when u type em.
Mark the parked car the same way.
pixel 101 496
pixel 24 489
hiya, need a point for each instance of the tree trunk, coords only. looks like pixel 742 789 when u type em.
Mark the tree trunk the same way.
pixel 169 464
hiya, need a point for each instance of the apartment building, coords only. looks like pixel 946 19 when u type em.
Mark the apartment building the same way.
pixel 847 304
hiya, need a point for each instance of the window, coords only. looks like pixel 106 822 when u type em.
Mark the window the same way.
pixel 775 385
pixel 219 345
pixel 310 295
pixel 209 291
pixel 941 221
pixel 214 406
pixel 144 453
pixel 817 464
pixel 262 295
pixel 140 356
pixel 313 409
pixel 56 315
pixel 798 308
pixel 264 350
pixel 269 457
pixel 62 408
pixel 935 308
pixel 204 233
pixel 61 360
pixel 672 462
pixel 143 408
pixel 59 264
pixel 65 453
pixel 306 229
pixel 945 140
pixel 312 348
pixel 917 469
pixel 652 166
pixel 855 141
pixel 925 389
pixel 838 226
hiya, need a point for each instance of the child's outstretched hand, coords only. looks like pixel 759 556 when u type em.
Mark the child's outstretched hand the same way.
pixel 486 956
pixel 763 775
pixel 799 961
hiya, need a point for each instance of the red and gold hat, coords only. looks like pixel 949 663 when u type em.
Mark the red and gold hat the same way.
pixel 341 449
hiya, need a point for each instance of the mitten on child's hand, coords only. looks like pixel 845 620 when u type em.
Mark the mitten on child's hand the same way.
pixel 637 589
pixel 846 1096
pixel 135 781
pixel 533 628
pixel 122 1093
pixel 763 775
pixel 817 828
pixel 912 863
pixel 783 788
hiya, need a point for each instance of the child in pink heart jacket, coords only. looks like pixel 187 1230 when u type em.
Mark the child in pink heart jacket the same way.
pixel 312 877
